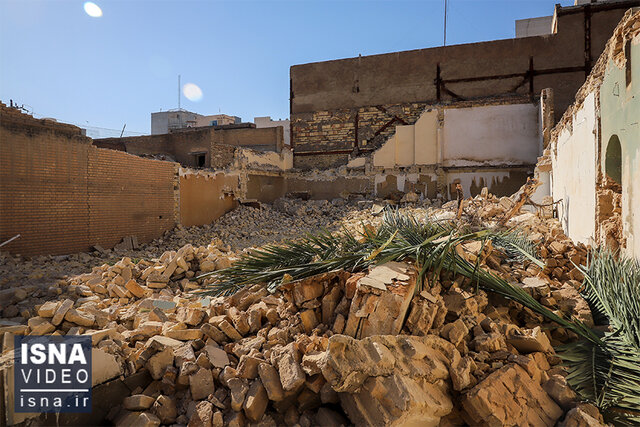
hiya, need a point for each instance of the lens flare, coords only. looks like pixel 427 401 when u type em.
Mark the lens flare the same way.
pixel 192 92
pixel 92 9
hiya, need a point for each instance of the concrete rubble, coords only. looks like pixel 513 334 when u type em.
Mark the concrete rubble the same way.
pixel 334 349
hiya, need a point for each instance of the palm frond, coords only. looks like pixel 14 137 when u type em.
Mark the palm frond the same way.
pixel 517 246
pixel 608 374
pixel 612 289
pixel 429 244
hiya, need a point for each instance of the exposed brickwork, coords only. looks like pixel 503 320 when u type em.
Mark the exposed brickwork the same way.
pixel 222 155
pixel 128 195
pixel 336 130
pixel 62 195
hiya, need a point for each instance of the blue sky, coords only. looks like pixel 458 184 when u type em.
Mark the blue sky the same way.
pixel 117 69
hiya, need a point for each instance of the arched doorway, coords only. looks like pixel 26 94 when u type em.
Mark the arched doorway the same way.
pixel 610 197
pixel 613 160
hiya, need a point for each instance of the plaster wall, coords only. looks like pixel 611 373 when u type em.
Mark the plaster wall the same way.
pixel 495 134
pixel 205 196
pixel 574 174
pixel 405 145
pixel 385 156
pixel 268 160
pixel 426 133
pixel 482 135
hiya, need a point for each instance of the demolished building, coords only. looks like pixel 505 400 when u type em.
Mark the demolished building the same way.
pixel 344 110
pixel 591 165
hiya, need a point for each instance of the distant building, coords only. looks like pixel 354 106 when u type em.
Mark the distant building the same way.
pixel 217 120
pixel 266 122
pixel 165 121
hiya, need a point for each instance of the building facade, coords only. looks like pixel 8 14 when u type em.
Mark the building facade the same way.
pixel 164 122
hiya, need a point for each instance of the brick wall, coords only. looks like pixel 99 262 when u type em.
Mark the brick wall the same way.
pixel 128 195
pixel 342 130
pixel 264 139
pixel 62 195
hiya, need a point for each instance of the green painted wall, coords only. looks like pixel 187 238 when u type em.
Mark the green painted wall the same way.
pixel 620 116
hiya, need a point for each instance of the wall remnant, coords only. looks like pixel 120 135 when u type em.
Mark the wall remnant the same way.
pixel 199 147
pixel 595 149
pixel 350 106
pixel 205 196
pixel 63 195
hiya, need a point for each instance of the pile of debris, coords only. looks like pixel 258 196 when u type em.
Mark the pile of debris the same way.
pixel 26 281
pixel 333 349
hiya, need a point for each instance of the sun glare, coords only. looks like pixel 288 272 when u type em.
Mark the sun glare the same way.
pixel 192 92
pixel 92 9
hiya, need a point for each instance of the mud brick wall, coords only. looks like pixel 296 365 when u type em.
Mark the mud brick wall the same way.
pixel 320 161
pixel 182 145
pixel 63 195
pixel 222 155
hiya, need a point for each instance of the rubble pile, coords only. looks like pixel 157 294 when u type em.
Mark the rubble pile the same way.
pixel 334 349
pixel 24 282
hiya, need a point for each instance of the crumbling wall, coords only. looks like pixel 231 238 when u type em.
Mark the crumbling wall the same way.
pixel 349 105
pixel 222 156
pixel 205 196
pixel 263 186
pixel 63 195
pixel 591 204
pixel 261 160
pixel 574 172
pixel 330 188
pixel 178 146
pixel 620 112
pixel 185 145
pixel 343 130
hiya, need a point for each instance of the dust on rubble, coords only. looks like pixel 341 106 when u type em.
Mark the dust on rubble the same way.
pixel 334 349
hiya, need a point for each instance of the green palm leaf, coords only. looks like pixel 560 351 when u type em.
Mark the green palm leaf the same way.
pixel 608 374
